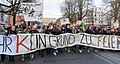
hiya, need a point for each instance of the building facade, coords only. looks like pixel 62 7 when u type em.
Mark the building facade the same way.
pixel 47 21
pixel 96 16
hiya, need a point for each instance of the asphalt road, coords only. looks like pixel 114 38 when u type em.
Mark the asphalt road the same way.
pixel 92 57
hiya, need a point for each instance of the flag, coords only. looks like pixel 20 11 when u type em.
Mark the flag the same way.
pixel 83 25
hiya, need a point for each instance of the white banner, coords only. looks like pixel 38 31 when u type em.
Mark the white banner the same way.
pixel 64 21
pixel 7 44
pixel 27 43
pixel 32 11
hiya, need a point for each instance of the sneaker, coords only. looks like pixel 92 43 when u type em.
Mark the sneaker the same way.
pixel 88 50
pixel 32 56
pixel 54 53
pixel 23 59
pixel 68 50
pixel 80 51
pixel 65 49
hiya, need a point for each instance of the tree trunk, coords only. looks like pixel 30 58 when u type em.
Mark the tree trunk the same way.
pixel 14 19
pixel 119 22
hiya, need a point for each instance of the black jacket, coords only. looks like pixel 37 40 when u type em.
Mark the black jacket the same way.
pixel 89 31
pixel 68 30
pixel 48 31
pixel 11 32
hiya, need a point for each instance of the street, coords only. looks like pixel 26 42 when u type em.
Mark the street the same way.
pixel 92 57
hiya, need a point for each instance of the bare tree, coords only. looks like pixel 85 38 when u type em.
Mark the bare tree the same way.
pixel 66 9
pixel 77 10
pixel 12 8
pixel 113 7
pixel 28 1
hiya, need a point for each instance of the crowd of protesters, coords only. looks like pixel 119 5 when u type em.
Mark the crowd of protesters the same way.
pixel 55 30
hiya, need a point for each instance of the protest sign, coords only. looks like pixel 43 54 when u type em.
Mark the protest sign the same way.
pixel 64 21
pixel 32 11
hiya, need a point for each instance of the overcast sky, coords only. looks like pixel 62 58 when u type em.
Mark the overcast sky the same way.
pixel 52 8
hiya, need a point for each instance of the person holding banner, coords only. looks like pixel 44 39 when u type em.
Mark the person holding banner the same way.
pixel 103 31
pixel 12 31
pixel 8 31
pixel 89 30
pixel 46 30
pixel 83 29
pixel 74 30
pixel 96 30
pixel 5 29
pixel 68 30
pixel 113 31
pixel 80 31
pixel 28 31
pixel 63 29
pixel 34 30
pixel 56 31
pixel 3 33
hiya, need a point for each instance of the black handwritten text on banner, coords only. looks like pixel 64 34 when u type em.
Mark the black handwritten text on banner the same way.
pixel 27 43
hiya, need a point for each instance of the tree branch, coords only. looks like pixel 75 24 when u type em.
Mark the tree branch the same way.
pixel 4 11
pixel 4 5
